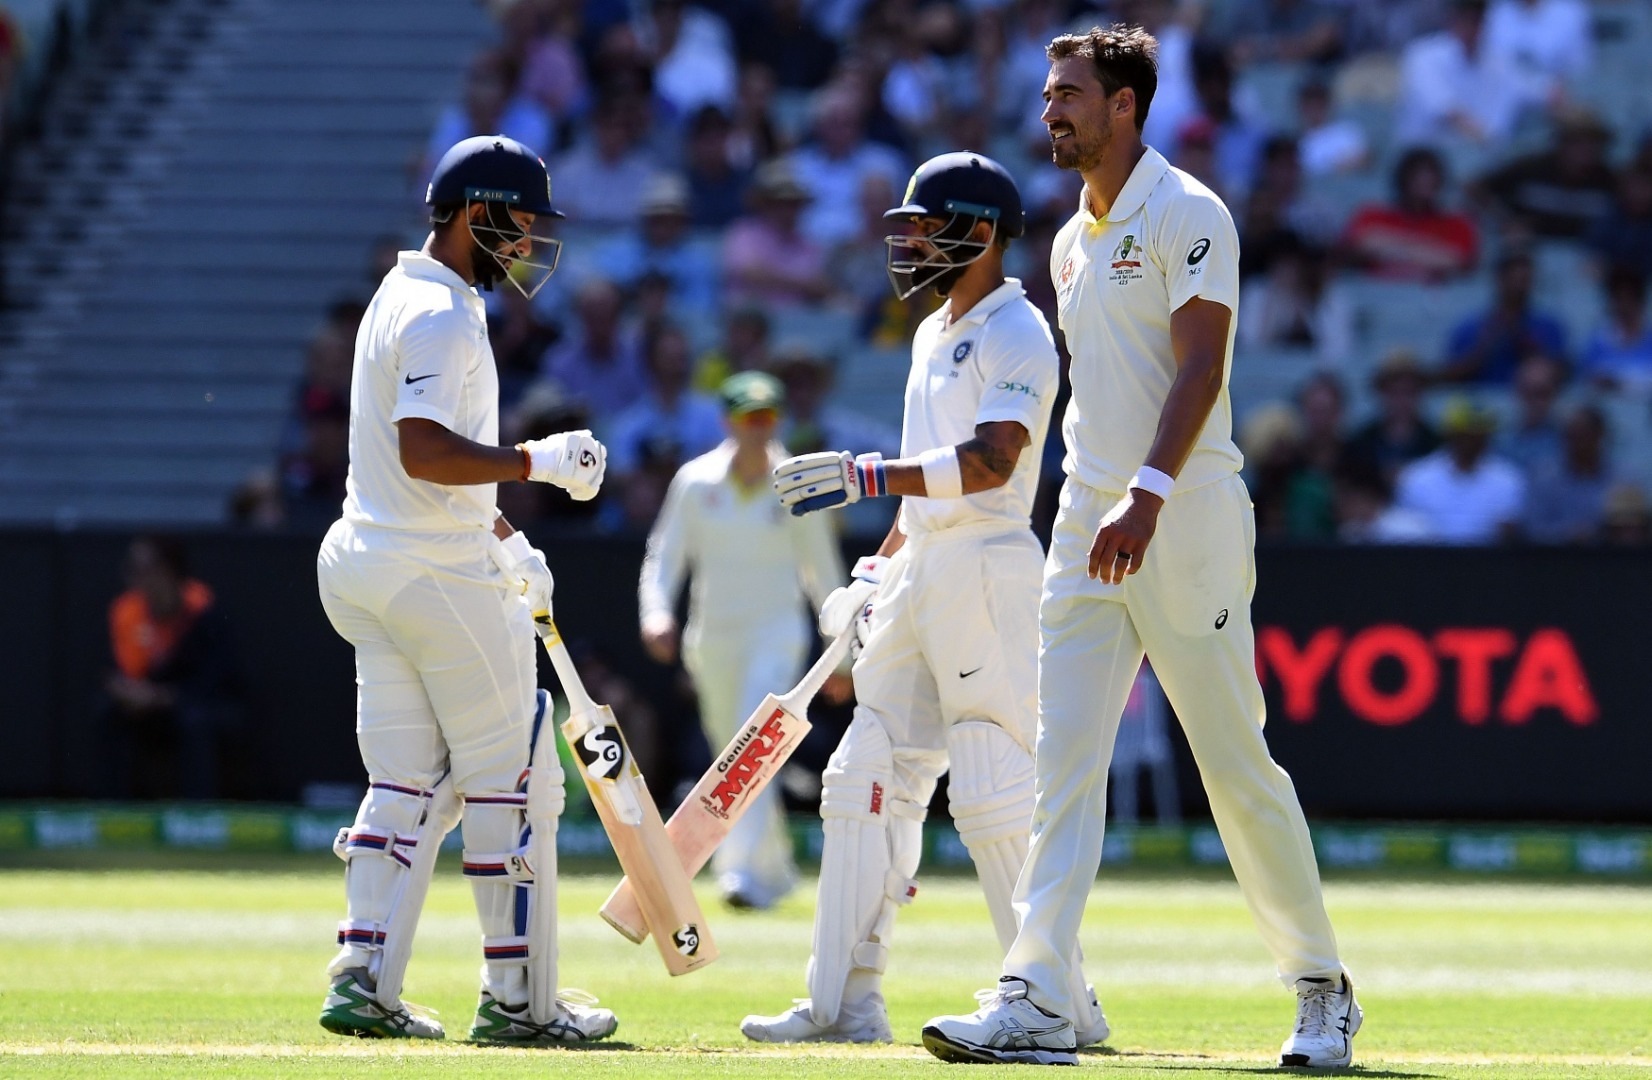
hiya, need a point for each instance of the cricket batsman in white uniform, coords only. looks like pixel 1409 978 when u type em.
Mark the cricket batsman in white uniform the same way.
pixel 1152 551
pixel 946 674
pixel 752 564
pixel 435 590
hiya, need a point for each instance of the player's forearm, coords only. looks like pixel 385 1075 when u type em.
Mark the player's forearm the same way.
pixel 893 542
pixel 432 453
pixel 985 462
pixel 1186 409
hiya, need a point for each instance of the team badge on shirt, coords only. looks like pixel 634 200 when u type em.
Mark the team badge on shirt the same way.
pixel 961 353
pixel 1127 261
pixel 1064 278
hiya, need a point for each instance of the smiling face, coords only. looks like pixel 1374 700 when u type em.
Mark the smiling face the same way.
pixel 1077 111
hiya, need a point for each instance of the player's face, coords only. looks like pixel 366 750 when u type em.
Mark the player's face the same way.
pixel 1076 107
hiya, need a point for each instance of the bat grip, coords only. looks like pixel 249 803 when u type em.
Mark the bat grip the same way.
pixel 578 700
pixel 797 699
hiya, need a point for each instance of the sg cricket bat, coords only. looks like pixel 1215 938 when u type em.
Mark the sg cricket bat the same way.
pixel 665 897
pixel 738 775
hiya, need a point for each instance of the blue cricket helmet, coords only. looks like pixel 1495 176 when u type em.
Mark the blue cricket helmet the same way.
pixel 964 183
pixel 492 169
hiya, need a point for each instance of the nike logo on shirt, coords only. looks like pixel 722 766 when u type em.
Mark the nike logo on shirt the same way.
pixel 410 380
pixel 967 674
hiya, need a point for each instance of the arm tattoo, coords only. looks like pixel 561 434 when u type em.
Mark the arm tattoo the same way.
pixel 984 466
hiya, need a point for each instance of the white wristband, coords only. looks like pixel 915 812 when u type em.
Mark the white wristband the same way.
pixel 943 477
pixel 517 547
pixel 1153 481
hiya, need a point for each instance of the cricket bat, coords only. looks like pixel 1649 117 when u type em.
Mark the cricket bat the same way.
pixel 665 897
pixel 738 775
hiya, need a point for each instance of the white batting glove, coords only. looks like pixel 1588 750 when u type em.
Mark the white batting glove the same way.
pixel 572 460
pixel 852 603
pixel 525 568
pixel 829 478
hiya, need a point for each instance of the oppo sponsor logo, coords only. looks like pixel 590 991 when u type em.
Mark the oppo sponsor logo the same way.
pixel 1391 674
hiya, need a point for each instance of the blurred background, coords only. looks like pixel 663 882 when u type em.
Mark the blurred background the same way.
pixel 1443 384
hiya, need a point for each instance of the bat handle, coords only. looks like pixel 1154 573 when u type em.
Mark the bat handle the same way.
pixel 797 699
pixel 578 700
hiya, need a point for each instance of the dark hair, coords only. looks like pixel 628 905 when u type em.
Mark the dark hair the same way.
pixel 1121 55
pixel 1408 163
pixel 169 552
pixel 1623 276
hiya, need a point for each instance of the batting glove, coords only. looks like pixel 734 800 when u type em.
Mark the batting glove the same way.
pixel 827 479
pixel 851 604
pixel 572 460
pixel 525 569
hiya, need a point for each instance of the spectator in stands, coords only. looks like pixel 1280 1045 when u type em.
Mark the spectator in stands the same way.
pixel 1562 192
pixel 834 165
pixel 1550 42
pixel 602 179
pixel 1326 145
pixel 1366 513
pixel 782 37
pixel 858 267
pixel 1453 89
pixel 1310 493
pixel 1301 209
pixel 1534 443
pixel 1278 31
pixel 1194 151
pixel 1567 495
pixel 745 347
pixel 1487 347
pixel 716 186
pixel 1624 236
pixel 1175 23
pixel 1271 441
pixel 812 422
pixel 1628 517
pixel 693 53
pixel 1619 353
pixel 1298 305
pixel 599 359
pixel 668 408
pixel 1399 434
pixel 491 105
pixel 1416 237
pixel 755 137
pixel 313 475
pixel 546 409
pixel 767 258
pixel 1467 495
pixel 661 243
pixel 925 75
pixel 174 691
pixel 544 36
pixel 258 504
pixel 1237 142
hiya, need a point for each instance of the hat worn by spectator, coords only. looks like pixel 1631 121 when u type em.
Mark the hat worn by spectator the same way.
pixel 777 180
pixel 1465 416
pixel 798 354
pixel 1398 364
pixel 666 193
pixel 751 391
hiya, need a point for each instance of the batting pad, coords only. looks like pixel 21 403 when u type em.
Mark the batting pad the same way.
pixel 377 852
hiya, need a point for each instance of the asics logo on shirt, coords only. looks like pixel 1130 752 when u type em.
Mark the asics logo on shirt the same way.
pixel 410 380
pixel 1200 250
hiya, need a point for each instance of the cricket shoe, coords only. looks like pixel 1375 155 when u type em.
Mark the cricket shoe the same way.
pixel 1007 1028
pixel 351 1009
pixel 868 1024
pixel 1327 1016
pixel 574 1021
pixel 1096 1033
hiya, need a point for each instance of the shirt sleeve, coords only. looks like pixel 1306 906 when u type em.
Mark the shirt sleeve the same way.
pixel 666 558
pixel 1200 249
pixel 1020 374
pixel 819 563
pixel 433 357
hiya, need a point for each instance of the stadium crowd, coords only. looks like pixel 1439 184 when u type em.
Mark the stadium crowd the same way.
pixel 1446 242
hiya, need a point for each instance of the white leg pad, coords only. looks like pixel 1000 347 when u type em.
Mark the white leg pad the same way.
pixel 873 840
pixel 378 852
pixel 493 823
pixel 990 794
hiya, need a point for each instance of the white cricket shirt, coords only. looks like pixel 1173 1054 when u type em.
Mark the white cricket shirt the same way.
pixel 752 561
pixel 998 362
pixel 1166 239
pixel 422 351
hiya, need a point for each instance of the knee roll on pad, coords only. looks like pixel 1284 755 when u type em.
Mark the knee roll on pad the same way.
pixel 991 797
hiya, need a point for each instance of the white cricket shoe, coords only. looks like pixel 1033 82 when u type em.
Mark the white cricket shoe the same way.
pixel 1096 1033
pixel 1327 1016
pixel 797 1025
pixel 1006 1028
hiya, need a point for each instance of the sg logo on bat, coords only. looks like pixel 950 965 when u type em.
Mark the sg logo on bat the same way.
pixel 687 939
pixel 602 753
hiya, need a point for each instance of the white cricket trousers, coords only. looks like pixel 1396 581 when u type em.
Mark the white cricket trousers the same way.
pixel 1188 608
pixel 444 655
pixel 733 669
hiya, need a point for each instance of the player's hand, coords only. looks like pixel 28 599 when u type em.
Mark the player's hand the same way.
pixel 829 478
pixel 525 568
pixel 659 638
pixel 852 603
pixel 572 460
pixel 1121 541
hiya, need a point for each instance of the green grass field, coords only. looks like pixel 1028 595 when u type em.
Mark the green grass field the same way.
pixel 133 972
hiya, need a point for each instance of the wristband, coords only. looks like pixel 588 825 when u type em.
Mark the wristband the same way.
pixel 516 546
pixel 943 477
pixel 869 470
pixel 1153 481
pixel 527 462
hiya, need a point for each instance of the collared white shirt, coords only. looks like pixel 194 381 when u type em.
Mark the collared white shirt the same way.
pixel 422 351
pixel 996 363
pixel 1462 507
pixel 1166 239
pixel 752 561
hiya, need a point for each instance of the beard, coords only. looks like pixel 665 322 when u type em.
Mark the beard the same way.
pixel 1078 153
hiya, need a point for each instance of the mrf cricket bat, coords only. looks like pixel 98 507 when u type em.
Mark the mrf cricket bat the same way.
pixel 664 895
pixel 738 775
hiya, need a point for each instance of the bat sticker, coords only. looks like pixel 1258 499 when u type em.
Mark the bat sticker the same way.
pixel 602 752
pixel 687 939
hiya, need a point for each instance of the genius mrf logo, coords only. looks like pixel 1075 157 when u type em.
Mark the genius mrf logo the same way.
pixel 743 763
pixel 1390 675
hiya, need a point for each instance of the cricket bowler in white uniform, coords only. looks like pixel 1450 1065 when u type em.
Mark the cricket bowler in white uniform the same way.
pixel 946 676
pixel 752 565
pixel 1147 282
pixel 428 582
